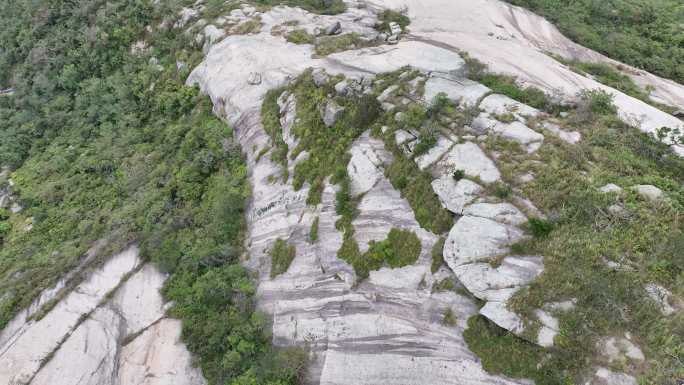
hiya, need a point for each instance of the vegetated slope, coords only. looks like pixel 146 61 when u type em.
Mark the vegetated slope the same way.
pixel 646 34
pixel 105 142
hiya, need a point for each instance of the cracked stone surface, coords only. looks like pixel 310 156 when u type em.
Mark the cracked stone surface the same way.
pixel 81 337
pixel 464 91
pixel 454 195
pixel 471 159
pixel 369 332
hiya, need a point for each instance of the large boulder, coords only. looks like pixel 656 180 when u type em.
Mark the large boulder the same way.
pixel 455 195
pixel 472 160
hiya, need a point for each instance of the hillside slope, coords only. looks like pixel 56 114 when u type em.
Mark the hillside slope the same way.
pixel 402 196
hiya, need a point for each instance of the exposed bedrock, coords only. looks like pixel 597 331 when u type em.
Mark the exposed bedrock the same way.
pixel 109 330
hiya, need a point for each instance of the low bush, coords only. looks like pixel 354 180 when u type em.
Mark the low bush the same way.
pixel 327 45
pixel 313 232
pixel 540 227
pixel 400 248
pixel 282 256
pixel 300 36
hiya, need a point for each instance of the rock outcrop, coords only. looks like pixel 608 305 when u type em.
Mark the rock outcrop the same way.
pixel 109 330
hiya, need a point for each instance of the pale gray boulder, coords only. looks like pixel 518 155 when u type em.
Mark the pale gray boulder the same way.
pixel 476 239
pixel 471 159
pixel 435 153
pixel 501 104
pixel 504 213
pixel 464 91
pixel 649 192
pixel 455 195
pixel 610 188
pixel 331 112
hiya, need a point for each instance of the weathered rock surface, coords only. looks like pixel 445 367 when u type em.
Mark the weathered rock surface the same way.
pixel 483 28
pixel 454 195
pixel 80 340
pixel 471 159
pixel 650 192
pixel 501 104
pixel 465 92
pixel 388 329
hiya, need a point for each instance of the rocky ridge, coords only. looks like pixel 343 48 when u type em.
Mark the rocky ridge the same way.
pixel 389 328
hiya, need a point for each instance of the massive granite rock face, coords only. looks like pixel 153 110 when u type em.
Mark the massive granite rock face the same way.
pixel 515 41
pixel 388 329
pixel 109 330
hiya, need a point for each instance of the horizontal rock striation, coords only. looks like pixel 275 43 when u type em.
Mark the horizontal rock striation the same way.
pixel 109 330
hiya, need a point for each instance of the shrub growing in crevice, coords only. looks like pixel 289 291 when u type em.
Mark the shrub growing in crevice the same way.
pixel 401 248
pixel 282 254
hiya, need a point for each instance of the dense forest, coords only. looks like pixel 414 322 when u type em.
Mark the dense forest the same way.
pixel 107 143
pixel 646 34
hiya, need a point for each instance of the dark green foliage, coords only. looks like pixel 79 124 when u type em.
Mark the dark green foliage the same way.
pixel 416 187
pixel 401 248
pixel 449 318
pixel 270 118
pixel 645 34
pixel 540 227
pixel 5 226
pixel 106 147
pixel 221 327
pixel 502 190
pixel 313 232
pixel 282 256
pixel 345 204
pixel 599 101
pixel 437 255
pixel 327 146
pixel 502 352
pixel 458 175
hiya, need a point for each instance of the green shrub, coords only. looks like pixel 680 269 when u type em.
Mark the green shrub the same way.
pixel 599 101
pixel 270 118
pixel 405 247
pixel 458 175
pixel 300 36
pixel 400 248
pixel 495 347
pixel 313 232
pixel 247 27
pixel 507 85
pixel 282 256
pixel 415 186
pixel 540 227
pixel 447 284
pixel 502 190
